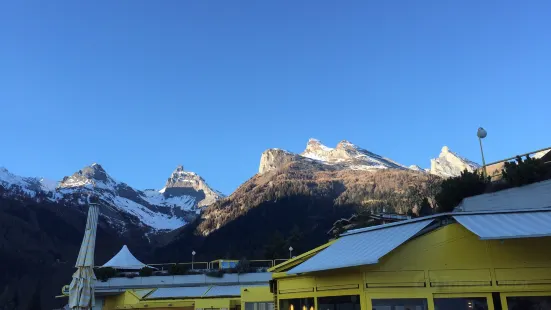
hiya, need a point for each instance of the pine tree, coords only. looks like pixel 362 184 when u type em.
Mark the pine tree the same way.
pixel 453 190
pixel 276 247
pixel 425 208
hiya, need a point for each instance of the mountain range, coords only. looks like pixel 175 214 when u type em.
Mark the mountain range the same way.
pixel 185 193
pixel 295 199
pixel 177 203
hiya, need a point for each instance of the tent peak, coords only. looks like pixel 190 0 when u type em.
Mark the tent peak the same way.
pixel 124 259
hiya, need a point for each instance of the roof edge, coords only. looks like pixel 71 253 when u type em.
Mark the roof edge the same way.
pixel 299 259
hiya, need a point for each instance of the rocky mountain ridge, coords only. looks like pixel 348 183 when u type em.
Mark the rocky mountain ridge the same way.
pixel 184 192
pixel 450 164
pixel 122 205
pixel 347 156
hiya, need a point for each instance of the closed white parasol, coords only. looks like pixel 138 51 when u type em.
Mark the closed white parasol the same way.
pixel 81 289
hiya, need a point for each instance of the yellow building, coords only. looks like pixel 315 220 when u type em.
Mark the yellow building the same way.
pixel 463 260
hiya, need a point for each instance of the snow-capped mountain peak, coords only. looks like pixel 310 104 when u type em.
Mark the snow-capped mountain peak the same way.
pixel 7 178
pixel 189 183
pixel 345 144
pixel 26 185
pixel 316 146
pixel 89 176
pixel 346 155
pixel 450 164
pixel 349 154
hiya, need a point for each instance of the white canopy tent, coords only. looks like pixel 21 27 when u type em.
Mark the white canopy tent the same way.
pixel 125 260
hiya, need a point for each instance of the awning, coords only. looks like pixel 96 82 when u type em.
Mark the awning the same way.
pixel 507 225
pixel 362 248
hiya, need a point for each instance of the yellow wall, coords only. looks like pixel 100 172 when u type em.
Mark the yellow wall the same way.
pixel 115 302
pixel 216 303
pixel 450 261
pixel 129 300
pixel 256 294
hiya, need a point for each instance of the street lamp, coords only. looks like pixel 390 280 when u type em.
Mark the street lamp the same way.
pixel 481 133
pixel 290 252
pixel 192 258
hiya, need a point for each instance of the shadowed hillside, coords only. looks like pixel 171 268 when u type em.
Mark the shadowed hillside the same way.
pixel 295 205
pixel 39 244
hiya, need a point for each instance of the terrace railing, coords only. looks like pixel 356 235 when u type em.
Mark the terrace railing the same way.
pixel 495 169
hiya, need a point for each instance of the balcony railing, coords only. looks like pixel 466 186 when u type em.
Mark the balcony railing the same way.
pixel 495 169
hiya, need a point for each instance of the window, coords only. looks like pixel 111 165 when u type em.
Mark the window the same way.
pixel 529 303
pixel 297 304
pixel 400 304
pixel 259 306
pixel 351 302
pixel 466 303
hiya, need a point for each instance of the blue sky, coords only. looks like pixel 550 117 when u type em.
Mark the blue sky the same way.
pixel 142 86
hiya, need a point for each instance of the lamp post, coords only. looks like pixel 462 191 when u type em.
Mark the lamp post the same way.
pixel 481 133
pixel 192 258
pixel 290 252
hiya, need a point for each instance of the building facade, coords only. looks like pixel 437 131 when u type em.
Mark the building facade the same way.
pixel 470 261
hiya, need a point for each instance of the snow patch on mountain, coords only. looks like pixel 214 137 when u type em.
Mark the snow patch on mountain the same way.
pixel 10 181
pixel 348 154
pixel 152 219
pixel 417 168
pixel 157 198
pixel 48 185
pixel 450 164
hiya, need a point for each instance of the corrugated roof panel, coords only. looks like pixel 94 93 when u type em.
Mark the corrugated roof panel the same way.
pixel 178 292
pixel 361 248
pixel 532 196
pixel 507 225
pixel 224 290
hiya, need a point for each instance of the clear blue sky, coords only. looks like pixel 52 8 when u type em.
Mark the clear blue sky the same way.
pixel 142 86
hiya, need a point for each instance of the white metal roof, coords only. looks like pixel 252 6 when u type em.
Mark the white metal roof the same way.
pixel 124 260
pixel 261 278
pixel 178 292
pixel 196 291
pixel 224 290
pixel 532 196
pixel 507 225
pixel 362 248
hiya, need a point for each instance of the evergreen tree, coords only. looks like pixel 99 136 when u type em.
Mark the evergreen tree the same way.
pixel 425 208
pixel 276 247
pixel 526 171
pixel 453 190
pixel 295 239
